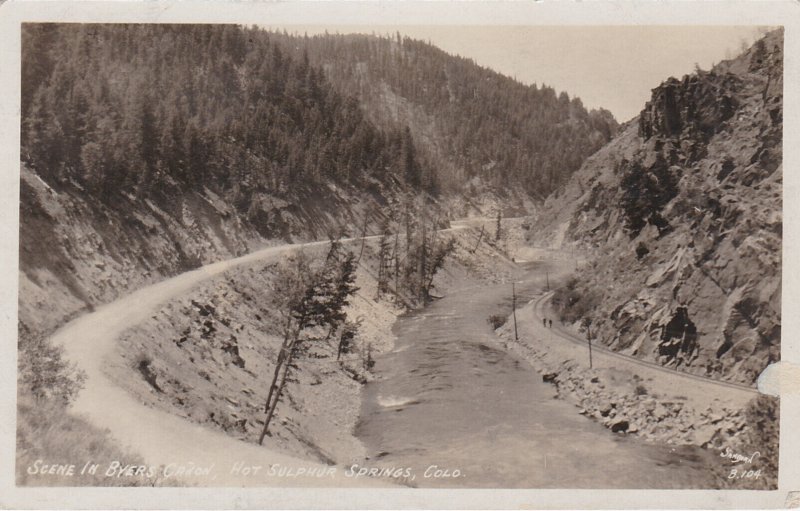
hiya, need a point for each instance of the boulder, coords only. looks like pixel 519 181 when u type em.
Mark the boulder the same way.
pixel 619 426
pixel 703 436
pixel 716 418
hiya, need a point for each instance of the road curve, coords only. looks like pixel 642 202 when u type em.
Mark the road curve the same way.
pixel 561 334
pixel 159 437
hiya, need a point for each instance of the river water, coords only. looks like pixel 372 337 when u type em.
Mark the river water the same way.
pixel 449 395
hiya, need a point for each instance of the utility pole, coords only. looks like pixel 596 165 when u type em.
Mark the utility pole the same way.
pixel 396 267
pixel 480 237
pixel 423 262
pixel 514 309
pixel 363 239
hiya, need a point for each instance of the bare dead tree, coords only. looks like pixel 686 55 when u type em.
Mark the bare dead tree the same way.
pixel 384 263
pixel 423 255
pixel 408 228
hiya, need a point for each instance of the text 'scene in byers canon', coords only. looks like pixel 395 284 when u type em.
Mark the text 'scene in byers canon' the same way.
pixel 421 265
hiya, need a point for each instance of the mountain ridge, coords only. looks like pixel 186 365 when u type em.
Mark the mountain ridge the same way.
pixel 481 129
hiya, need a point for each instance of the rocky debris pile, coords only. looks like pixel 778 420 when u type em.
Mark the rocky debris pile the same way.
pixel 643 413
pixel 211 333
pixel 628 404
pixel 680 216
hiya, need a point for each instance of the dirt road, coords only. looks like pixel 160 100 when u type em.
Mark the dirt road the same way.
pixel 566 344
pixel 159 437
pixel 605 356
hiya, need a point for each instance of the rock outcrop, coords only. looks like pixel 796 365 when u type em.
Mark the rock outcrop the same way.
pixel 681 218
pixel 694 105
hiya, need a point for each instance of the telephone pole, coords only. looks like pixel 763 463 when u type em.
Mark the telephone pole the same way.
pixel 514 309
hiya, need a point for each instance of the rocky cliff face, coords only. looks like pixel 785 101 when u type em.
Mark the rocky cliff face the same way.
pixel 681 217
pixel 77 253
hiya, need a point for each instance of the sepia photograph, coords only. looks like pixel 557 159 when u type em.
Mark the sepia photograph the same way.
pixel 388 256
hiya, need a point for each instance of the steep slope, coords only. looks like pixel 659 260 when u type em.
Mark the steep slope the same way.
pixel 152 149
pixel 481 131
pixel 680 216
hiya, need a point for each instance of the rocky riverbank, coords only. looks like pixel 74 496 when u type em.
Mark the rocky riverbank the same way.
pixel 652 405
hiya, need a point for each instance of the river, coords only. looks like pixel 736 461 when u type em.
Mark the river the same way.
pixel 448 395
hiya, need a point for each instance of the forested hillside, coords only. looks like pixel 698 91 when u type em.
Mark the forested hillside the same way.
pixel 156 109
pixel 467 121
pixel 681 216
pixel 150 149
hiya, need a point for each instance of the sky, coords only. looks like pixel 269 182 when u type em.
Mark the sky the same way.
pixel 613 67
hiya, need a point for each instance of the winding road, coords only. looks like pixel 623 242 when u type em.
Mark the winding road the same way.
pixel 160 438
pixel 163 439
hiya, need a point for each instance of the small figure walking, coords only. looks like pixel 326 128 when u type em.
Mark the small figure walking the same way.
pixel 544 322
pixel 551 323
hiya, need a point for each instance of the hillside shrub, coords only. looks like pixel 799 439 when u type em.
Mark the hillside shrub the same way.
pixel 497 320
pixel 42 371
pixel 573 303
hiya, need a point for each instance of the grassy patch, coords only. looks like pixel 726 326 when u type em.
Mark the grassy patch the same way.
pixel 49 435
pixel 48 432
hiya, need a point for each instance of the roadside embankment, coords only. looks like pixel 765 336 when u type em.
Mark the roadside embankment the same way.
pixel 208 355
